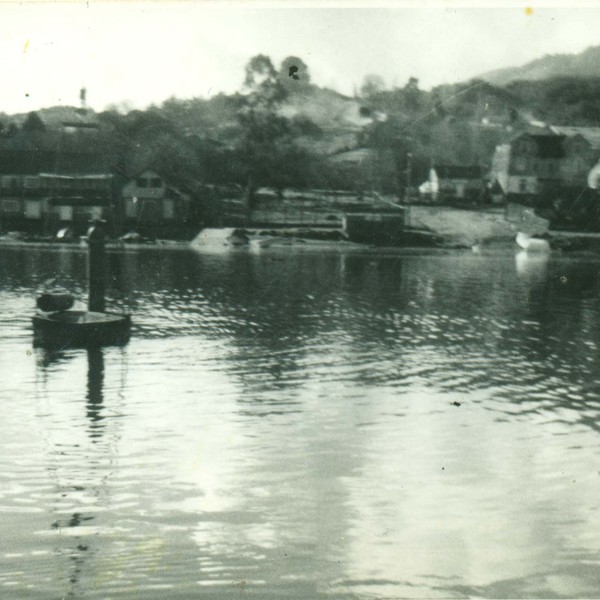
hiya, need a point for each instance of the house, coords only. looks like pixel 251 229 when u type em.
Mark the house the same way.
pixel 528 163
pixel 75 200
pixel 582 151
pixel 60 119
pixel 53 172
pixel 47 202
pixel 149 203
pixel 453 182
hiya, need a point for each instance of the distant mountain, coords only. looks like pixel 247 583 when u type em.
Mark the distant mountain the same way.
pixel 585 65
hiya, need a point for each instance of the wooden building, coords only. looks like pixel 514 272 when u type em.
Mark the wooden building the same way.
pixel 149 205
pixel 528 163
pixel 46 202
pixel 553 156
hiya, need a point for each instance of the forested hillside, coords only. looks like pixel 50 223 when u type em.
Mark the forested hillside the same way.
pixel 281 130
pixel 586 65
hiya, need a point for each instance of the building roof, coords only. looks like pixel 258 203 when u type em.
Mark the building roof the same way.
pixel 58 117
pixel 589 134
pixel 352 156
pixel 96 177
pixel 458 171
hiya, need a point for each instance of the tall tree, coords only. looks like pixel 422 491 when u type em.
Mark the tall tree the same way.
pixel 261 81
pixel 372 85
pixel 293 73
pixel 264 133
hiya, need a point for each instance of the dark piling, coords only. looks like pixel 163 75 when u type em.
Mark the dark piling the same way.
pixel 97 267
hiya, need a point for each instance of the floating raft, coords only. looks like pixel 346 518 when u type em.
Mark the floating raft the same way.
pixel 79 328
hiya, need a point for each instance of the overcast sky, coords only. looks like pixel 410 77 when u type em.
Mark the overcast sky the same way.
pixel 144 52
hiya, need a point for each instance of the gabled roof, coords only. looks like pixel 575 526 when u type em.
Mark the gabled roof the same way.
pixel 458 171
pixel 590 134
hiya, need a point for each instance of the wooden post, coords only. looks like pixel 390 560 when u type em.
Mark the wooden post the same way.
pixel 96 264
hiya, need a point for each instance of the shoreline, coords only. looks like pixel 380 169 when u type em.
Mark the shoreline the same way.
pixel 563 242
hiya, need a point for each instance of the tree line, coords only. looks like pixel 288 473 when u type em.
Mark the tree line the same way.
pixel 262 135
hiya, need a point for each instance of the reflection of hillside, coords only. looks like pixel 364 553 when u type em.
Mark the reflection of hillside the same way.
pixel 305 316
pixel 300 317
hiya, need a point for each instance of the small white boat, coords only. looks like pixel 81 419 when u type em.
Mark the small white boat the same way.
pixel 532 244
pixel 223 237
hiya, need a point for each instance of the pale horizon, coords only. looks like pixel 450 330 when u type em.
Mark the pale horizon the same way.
pixel 134 54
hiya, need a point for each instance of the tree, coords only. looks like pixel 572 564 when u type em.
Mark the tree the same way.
pixel 412 94
pixel 265 135
pixel 372 85
pixel 262 82
pixel 293 73
pixel 33 123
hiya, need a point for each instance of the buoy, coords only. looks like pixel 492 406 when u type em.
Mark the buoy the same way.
pixel 56 325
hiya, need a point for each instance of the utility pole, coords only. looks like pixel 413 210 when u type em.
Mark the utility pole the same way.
pixel 408 176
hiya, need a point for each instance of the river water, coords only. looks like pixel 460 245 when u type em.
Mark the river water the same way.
pixel 305 424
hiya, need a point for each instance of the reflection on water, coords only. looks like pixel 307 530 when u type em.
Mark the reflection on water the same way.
pixel 304 425
pixel 95 379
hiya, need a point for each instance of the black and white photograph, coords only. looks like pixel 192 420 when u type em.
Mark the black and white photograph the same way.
pixel 299 300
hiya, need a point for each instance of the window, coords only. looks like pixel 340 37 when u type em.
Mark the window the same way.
pixel 155 182
pixel 33 209
pixel 65 213
pixel 11 206
pixel 131 208
pixel 141 182
pixel 520 164
pixel 522 185
pixel 10 182
pixel 168 209
pixel 96 212
pixel 32 182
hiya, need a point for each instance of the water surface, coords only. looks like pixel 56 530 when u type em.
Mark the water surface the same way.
pixel 305 425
